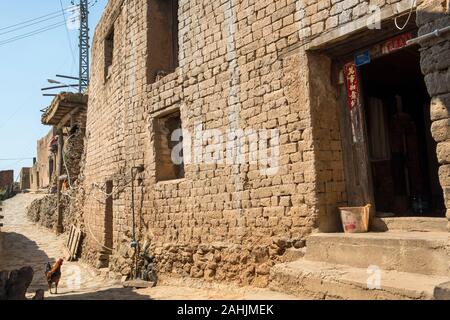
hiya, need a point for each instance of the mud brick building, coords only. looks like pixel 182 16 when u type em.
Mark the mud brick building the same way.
pixel 25 179
pixel 67 116
pixel 355 111
pixel 44 166
pixel 6 179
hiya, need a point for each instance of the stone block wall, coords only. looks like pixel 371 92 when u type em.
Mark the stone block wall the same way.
pixel 318 17
pixel 435 64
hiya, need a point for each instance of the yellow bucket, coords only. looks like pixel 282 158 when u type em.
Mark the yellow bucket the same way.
pixel 355 219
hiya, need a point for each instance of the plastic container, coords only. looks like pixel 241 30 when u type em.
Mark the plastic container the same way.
pixel 355 219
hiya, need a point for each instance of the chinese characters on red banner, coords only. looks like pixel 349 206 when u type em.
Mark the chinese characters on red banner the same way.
pixel 352 84
pixel 395 43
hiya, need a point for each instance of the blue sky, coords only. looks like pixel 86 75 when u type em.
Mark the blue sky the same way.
pixel 25 66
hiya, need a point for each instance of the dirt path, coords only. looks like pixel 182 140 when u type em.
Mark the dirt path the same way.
pixel 26 244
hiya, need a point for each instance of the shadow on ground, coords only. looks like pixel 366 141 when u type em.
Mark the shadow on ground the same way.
pixel 19 251
pixel 106 294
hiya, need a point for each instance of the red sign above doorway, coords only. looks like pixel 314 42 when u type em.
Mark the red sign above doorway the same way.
pixel 351 79
pixel 395 43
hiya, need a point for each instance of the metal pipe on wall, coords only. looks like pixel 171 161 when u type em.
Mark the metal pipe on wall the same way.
pixel 436 33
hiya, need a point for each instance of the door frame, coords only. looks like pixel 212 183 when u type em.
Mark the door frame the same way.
pixel 353 126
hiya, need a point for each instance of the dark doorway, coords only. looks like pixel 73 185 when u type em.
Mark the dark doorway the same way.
pixel 401 149
pixel 50 168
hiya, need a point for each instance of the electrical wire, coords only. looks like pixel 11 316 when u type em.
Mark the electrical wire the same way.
pixel 13 164
pixel 68 34
pixel 413 4
pixel 3 124
pixel 33 33
pixel 57 13
pixel 16 159
pixel 28 25
pixel 44 29
pixel 41 30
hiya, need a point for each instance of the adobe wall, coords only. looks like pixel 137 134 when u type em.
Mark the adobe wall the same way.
pixel 6 179
pixel 25 179
pixel 40 172
pixel 209 224
pixel 242 65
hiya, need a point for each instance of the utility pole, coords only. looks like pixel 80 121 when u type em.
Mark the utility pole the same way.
pixel 83 83
pixel 84 46
pixel 83 39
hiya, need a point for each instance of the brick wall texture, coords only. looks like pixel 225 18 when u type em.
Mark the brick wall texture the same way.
pixel 221 221
pixel 6 179
pixel 40 172
pixel 25 179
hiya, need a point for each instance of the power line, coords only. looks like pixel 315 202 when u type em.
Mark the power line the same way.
pixel 7 167
pixel 16 159
pixel 68 33
pixel 44 29
pixel 29 25
pixel 12 116
pixel 32 33
pixel 57 13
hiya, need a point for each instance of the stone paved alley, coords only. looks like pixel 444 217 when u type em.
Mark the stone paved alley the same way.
pixel 27 244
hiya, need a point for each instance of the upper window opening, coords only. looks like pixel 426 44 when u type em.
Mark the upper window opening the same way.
pixel 162 38
pixel 109 53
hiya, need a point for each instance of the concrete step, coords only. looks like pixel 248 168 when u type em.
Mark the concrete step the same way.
pixel 424 224
pixel 416 252
pixel 321 280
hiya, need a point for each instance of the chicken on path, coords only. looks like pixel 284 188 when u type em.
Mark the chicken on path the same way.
pixel 53 274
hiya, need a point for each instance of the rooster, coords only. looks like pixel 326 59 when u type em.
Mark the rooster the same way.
pixel 53 274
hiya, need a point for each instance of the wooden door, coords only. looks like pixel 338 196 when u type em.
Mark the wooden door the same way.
pixel 353 130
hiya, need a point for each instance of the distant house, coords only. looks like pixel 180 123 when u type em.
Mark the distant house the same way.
pixel 44 166
pixel 6 183
pixel 6 179
pixel 25 179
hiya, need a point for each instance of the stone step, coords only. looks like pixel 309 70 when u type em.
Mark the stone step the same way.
pixel 105 273
pixel 416 252
pixel 424 224
pixel 321 280
pixel 293 254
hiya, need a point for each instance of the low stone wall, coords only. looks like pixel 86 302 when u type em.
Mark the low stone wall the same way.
pixel 243 264
pixel 44 212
